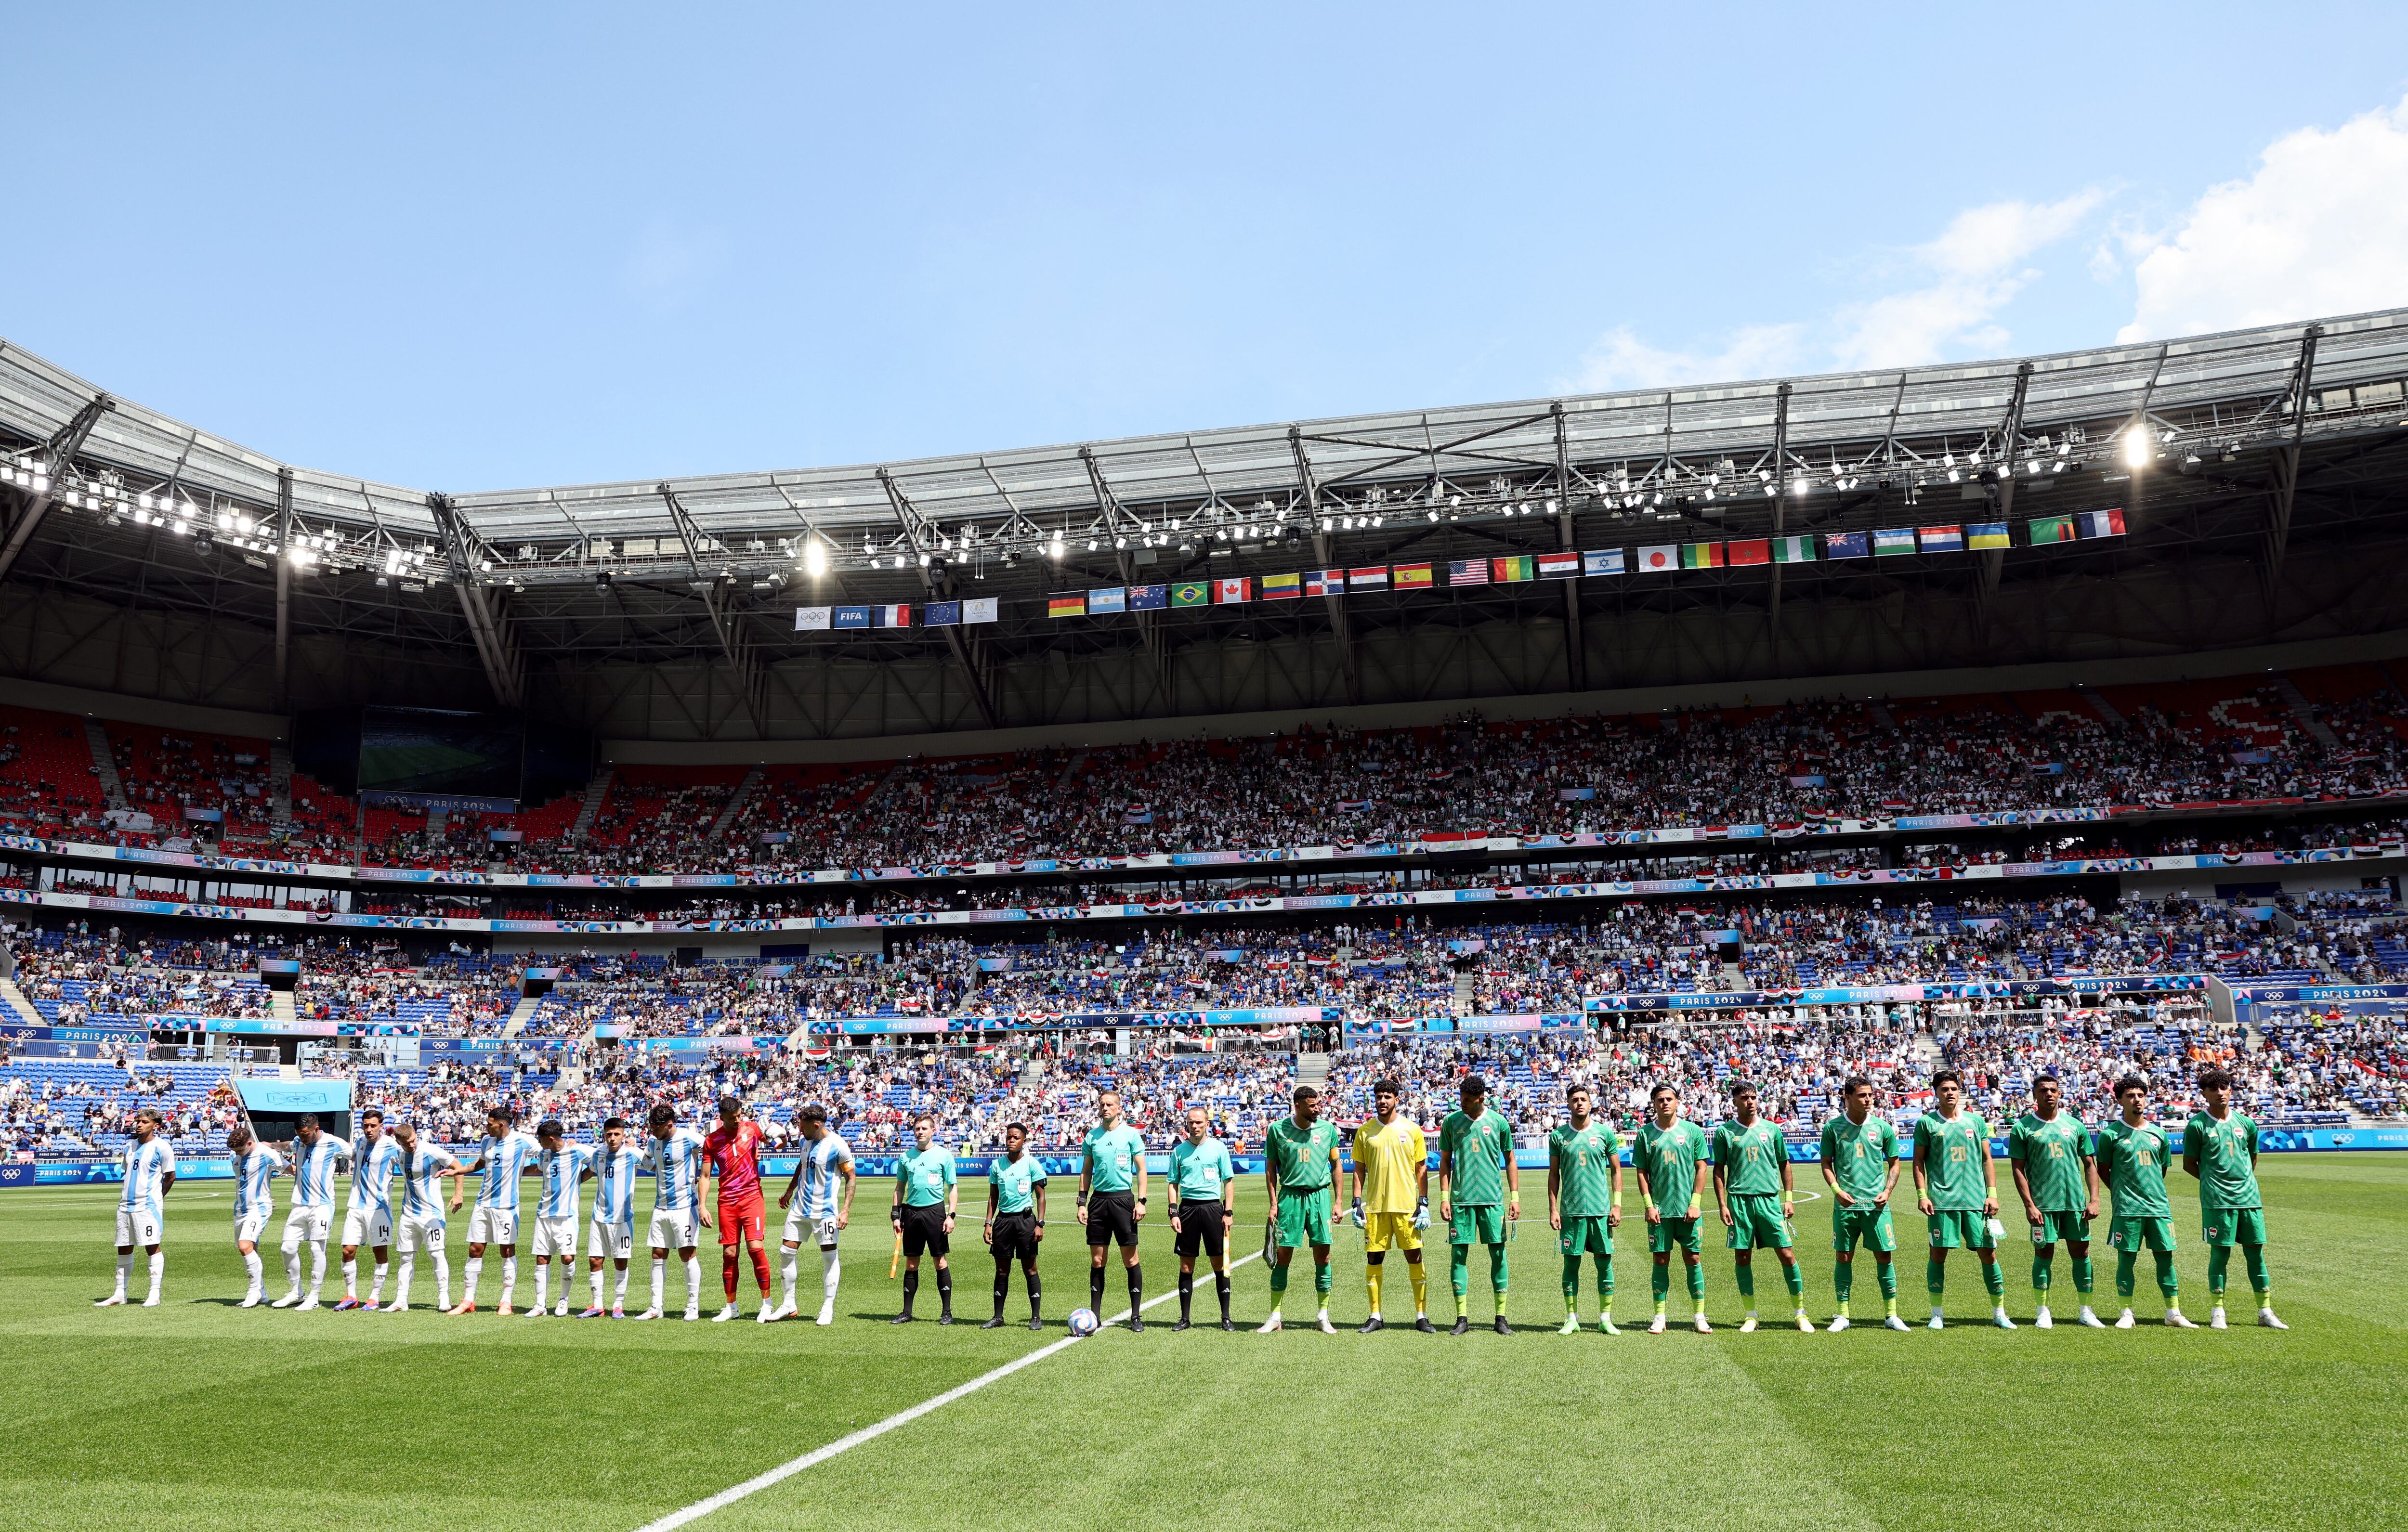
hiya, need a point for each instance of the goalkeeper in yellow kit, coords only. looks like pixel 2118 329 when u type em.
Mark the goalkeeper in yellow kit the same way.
pixel 1391 1201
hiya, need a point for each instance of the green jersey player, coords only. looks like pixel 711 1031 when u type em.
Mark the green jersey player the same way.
pixel 2133 1154
pixel 1299 1168
pixel 2220 1152
pixel 1479 1195
pixel 1860 1166
pixel 2058 1177
pixel 1756 1193
pixel 1585 1204
pixel 1956 1188
pixel 1667 1154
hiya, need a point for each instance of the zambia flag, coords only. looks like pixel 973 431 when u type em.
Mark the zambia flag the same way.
pixel 2047 529
pixel 1194 593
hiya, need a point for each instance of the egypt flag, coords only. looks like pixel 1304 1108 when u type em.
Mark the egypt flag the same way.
pixel 1066 604
pixel 2049 529
pixel 1944 539
pixel 1659 558
pixel 1562 565
pixel 1511 570
pixel 1285 587
pixel 1748 551
pixel 1701 555
pixel 1374 579
pixel 1232 592
pixel 2103 524
pixel 1792 550
pixel 1411 577
pixel 1467 572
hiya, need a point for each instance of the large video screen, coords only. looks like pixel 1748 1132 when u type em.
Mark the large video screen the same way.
pixel 462 760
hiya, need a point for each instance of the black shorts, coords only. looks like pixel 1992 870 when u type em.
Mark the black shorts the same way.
pixel 924 1229
pixel 1199 1224
pixel 1112 1215
pixel 1014 1237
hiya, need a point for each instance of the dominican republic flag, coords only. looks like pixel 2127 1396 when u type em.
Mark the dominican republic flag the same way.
pixel 1603 561
pixel 1324 581
pixel 1659 557
pixel 852 617
pixel 1893 539
pixel 1410 577
pixel 1944 539
pixel 1104 602
pixel 1148 597
pixel 1749 550
pixel 1510 570
pixel 1701 555
pixel 1843 545
pixel 813 619
pixel 1792 550
pixel 1467 572
pixel 984 609
pixel 1982 536
pixel 1285 587
pixel 2103 524
pixel 1066 604
pixel 1374 579
pixel 1562 565
pixel 1231 592
pixel 941 614
pixel 2049 529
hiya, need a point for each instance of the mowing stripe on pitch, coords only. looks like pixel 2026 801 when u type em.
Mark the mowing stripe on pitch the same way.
pixel 844 1444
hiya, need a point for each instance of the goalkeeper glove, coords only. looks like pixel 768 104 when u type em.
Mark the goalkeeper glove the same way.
pixel 1358 1214
pixel 1421 1214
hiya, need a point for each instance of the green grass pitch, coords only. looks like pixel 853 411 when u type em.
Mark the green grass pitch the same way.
pixel 198 1415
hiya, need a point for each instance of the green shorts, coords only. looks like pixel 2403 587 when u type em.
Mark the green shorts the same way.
pixel 2051 1227
pixel 1664 1232
pixel 1586 1237
pixel 1866 1222
pixel 1961 1228
pixel 1482 1223
pixel 2235 1225
pixel 1302 1218
pixel 2132 1233
pixel 1756 1223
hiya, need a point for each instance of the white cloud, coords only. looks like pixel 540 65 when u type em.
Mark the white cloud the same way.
pixel 1973 269
pixel 2322 228
pixel 1621 360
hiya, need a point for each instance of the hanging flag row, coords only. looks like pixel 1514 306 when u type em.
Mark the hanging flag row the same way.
pixel 936 614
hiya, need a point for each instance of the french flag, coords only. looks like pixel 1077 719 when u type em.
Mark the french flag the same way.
pixel 2102 524
pixel 897 616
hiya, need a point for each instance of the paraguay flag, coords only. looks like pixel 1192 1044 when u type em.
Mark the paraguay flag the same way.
pixel 1944 539
pixel 2103 524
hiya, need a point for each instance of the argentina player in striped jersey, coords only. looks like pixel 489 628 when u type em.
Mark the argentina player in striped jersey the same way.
pixel 423 1164
pixel 255 1202
pixel 823 1181
pixel 611 1235
pixel 675 1156
pixel 559 1168
pixel 495 1221
pixel 368 1221
pixel 310 1219
pixel 150 1171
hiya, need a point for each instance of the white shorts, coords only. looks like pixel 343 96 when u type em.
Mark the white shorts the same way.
pixel 556 1237
pixel 137 1226
pixel 422 1231
pixel 616 1240
pixel 822 1231
pixel 494 1226
pixel 249 1226
pixel 369 1226
pixel 308 1224
pixel 672 1230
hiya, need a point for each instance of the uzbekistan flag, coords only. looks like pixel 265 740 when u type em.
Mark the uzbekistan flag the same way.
pixel 1231 592
pixel 1792 550
pixel 1562 565
pixel 1467 572
pixel 1604 561
pixel 1944 539
pixel 1066 604
pixel 1195 592
pixel 1749 550
pixel 1375 579
pixel 1111 598
pixel 1987 535
pixel 1283 587
pixel 2049 529
pixel 1843 545
pixel 1659 557
pixel 1324 581
pixel 2103 524
pixel 1701 555
pixel 1893 539
pixel 1509 570
pixel 1411 577
pixel 1148 597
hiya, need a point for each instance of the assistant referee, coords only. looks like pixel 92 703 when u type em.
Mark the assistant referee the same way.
pixel 1203 1194
pixel 1112 1202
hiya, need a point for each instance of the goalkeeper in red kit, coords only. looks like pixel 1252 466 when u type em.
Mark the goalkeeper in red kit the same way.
pixel 733 1154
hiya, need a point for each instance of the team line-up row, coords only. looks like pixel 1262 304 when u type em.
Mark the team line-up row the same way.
pixel 2060 1164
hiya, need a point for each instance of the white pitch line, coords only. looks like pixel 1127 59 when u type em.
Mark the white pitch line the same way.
pixel 844 1444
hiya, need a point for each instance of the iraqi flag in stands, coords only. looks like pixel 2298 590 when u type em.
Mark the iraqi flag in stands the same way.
pixel 1659 558
pixel 2102 524
pixel 1562 565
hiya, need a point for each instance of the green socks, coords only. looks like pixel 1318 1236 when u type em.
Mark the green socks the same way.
pixel 1321 1282
pixel 1843 1280
pixel 1605 1276
pixel 1279 1287
pixel 1497 1274
pixel 1747 1284
pixel 1935 1278
pixel 2167 1283
pixel 2083 1274
pixel 2219 1262
pixel 2255 1255
pixel 1795 1280
pixel 1994 1278
pixel 2125 1260
pixel 1458 1271
pixel 2041 1274
pixel 1697 1282
pixel 1886 1273
pixel 1660 1281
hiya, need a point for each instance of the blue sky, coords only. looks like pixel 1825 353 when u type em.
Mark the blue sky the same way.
pixel 480 247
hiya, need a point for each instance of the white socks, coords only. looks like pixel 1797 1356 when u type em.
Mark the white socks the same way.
pixel 376 1287
pixel 789 1268
pixel 254 1268
pixel 509 1278
pixel 468 1275
pixel 596 1275
pixel 292 1269
pixel 693 1281
pixel 124 1265
pixel 828 1278
pixel 351 1277
pixel 158 1268
pixel 660 1281
pixel 401 1280
pixel 542 1285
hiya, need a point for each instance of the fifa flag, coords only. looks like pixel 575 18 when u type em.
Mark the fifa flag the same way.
pixel 1467 572
pixel 813 619
pixel 1231 592
pixel 1324 581
pixel 1562 566
pixel 1982 536
pixel 1193 593
pixel 1285 587
pixel 1843 545
pixel 1701 555
pixel 1066 604
pixel 1749 550
pixel 1110 599
pixel 1509 570
pixel 2103 524
pixel 1411 577
pixel 1374 579
pixel 1148 597
pixel 1604 561
pixel 853 617
pixel 1893 539
pixel 1944 539
pixel 941 614
pixel 1792 550
pixel 984 609
pixel 2049 529
pixel 1660 557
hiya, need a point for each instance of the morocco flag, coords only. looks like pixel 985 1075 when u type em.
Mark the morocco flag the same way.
pixel 1749 550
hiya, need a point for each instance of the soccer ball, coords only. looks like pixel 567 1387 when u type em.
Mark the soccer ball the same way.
pixel 1082 1322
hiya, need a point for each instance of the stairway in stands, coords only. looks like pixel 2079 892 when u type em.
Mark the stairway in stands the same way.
pixel 103 763
pixel 1312 1069
pixel 280 785
pixel 595 790
pixel 521 1014
pixel 16 1008
pixel 2306 713
pixel 736 802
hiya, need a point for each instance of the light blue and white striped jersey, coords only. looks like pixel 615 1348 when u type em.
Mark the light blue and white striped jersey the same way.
pixel 313 1171
pixel 614 1183
pixel 676 1170
pixel 506 1160
pixel 421 1170
pixel 146 1166
pixel 372 1168
pixel 251 1174
pixel 560 1169
pixel 823 1186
